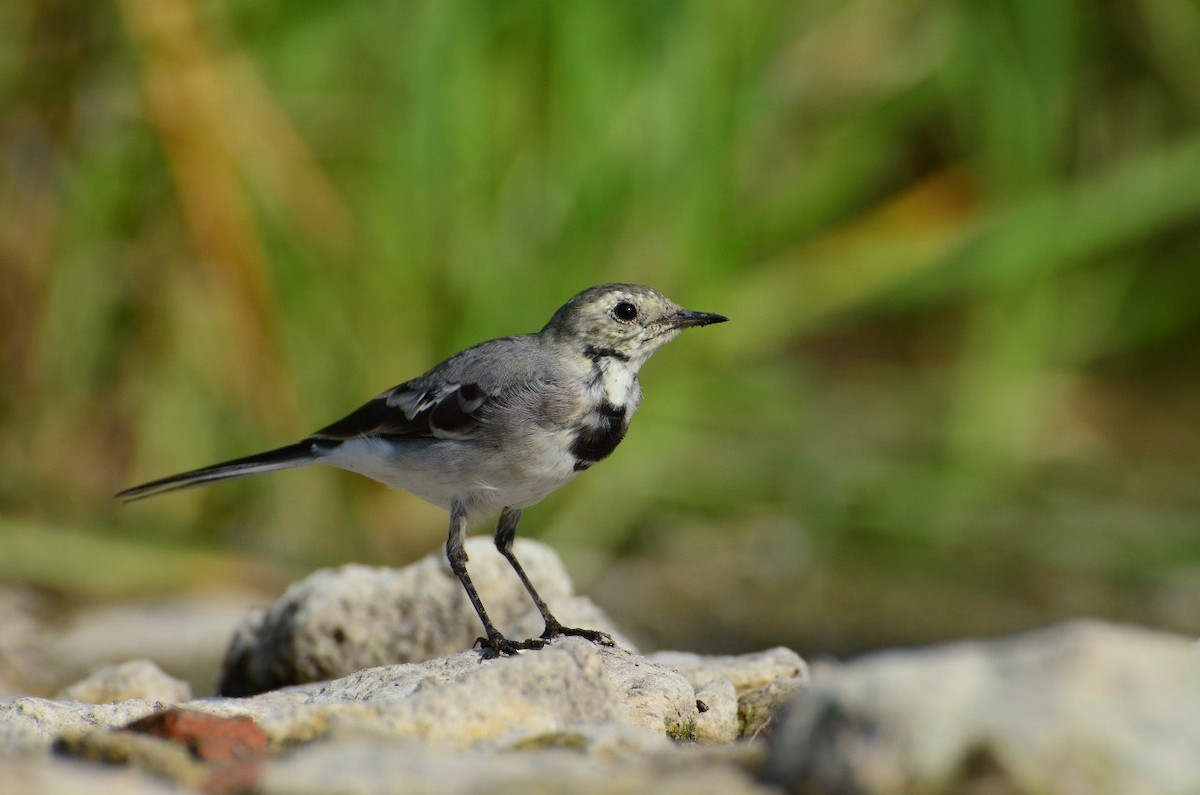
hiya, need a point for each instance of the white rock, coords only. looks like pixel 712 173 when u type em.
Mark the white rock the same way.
pixel 458 701
pixel 184 635
pixel 47 775
pixel 32 724
pixel 1080 708
pixel 380 767
pixel 451 702
pixel 137 679
pixel 718 720
pixel 337 621
pixel 764 681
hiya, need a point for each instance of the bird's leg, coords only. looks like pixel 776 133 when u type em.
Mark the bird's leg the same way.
pixel 495 643
pixel 506 531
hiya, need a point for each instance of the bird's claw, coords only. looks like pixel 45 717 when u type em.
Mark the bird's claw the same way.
pixel 496 644
pixel 594 635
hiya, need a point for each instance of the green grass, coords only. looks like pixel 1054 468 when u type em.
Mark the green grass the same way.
pixel 958 242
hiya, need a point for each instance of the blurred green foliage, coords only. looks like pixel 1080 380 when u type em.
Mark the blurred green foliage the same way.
pixel 958 239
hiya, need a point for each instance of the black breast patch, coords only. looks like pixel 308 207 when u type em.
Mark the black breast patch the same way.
pixel 599 437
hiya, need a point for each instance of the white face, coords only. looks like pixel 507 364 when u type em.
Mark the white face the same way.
pixel 630 319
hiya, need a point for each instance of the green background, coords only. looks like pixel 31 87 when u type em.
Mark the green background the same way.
pixel 958 241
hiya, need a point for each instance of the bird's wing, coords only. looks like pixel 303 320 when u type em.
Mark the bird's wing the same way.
pixel 457 398
pixel 415 410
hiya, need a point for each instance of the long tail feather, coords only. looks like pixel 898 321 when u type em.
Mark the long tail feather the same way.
pixel 293 455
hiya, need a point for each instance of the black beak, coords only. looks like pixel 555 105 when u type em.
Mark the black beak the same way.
pixel 685 318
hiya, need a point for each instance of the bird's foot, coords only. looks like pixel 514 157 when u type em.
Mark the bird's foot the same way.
pixel 555 629
pixel 496 644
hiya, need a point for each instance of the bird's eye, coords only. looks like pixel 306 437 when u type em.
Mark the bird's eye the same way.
pixel 625 311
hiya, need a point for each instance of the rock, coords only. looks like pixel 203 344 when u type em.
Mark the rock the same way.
pixel 717 703
pixel 32 724
pixel 139 679
pixel 47 775
pixel 213 754
pixel 574 698
pixel 574 716
pixel 378 766
pixel 763 681
pixel 208 738
pixel 451 702
pixel 40 652
pixel 457 701
pixel 184 635
pixel 1084 707
pixel 337 621
pixel 165 759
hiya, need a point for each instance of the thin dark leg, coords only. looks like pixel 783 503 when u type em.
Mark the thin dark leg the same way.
pixel 506 531
pixel 495 643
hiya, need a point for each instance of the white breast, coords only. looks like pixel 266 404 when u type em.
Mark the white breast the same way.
pixel 618 384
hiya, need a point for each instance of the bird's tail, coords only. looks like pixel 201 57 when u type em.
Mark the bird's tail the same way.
pixel 293 455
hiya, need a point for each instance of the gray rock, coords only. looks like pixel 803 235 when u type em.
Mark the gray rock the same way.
pixel 1080 708
pixel 341 620
pixel 763 681
pixel 138 679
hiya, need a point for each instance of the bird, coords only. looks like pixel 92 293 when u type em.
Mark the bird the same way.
pixel 497 426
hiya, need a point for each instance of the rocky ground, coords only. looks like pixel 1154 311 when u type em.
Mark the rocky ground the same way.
pixel 356 682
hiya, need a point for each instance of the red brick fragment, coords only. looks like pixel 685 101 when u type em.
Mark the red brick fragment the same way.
pixel 210 738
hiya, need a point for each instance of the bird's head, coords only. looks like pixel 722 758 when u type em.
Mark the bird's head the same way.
pixel 628 321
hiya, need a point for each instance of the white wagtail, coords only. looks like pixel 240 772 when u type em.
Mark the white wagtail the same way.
pixel 497 426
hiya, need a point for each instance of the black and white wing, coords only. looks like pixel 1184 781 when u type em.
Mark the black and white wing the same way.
pixel 454 400
pixel 419 409
pixel 414 410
